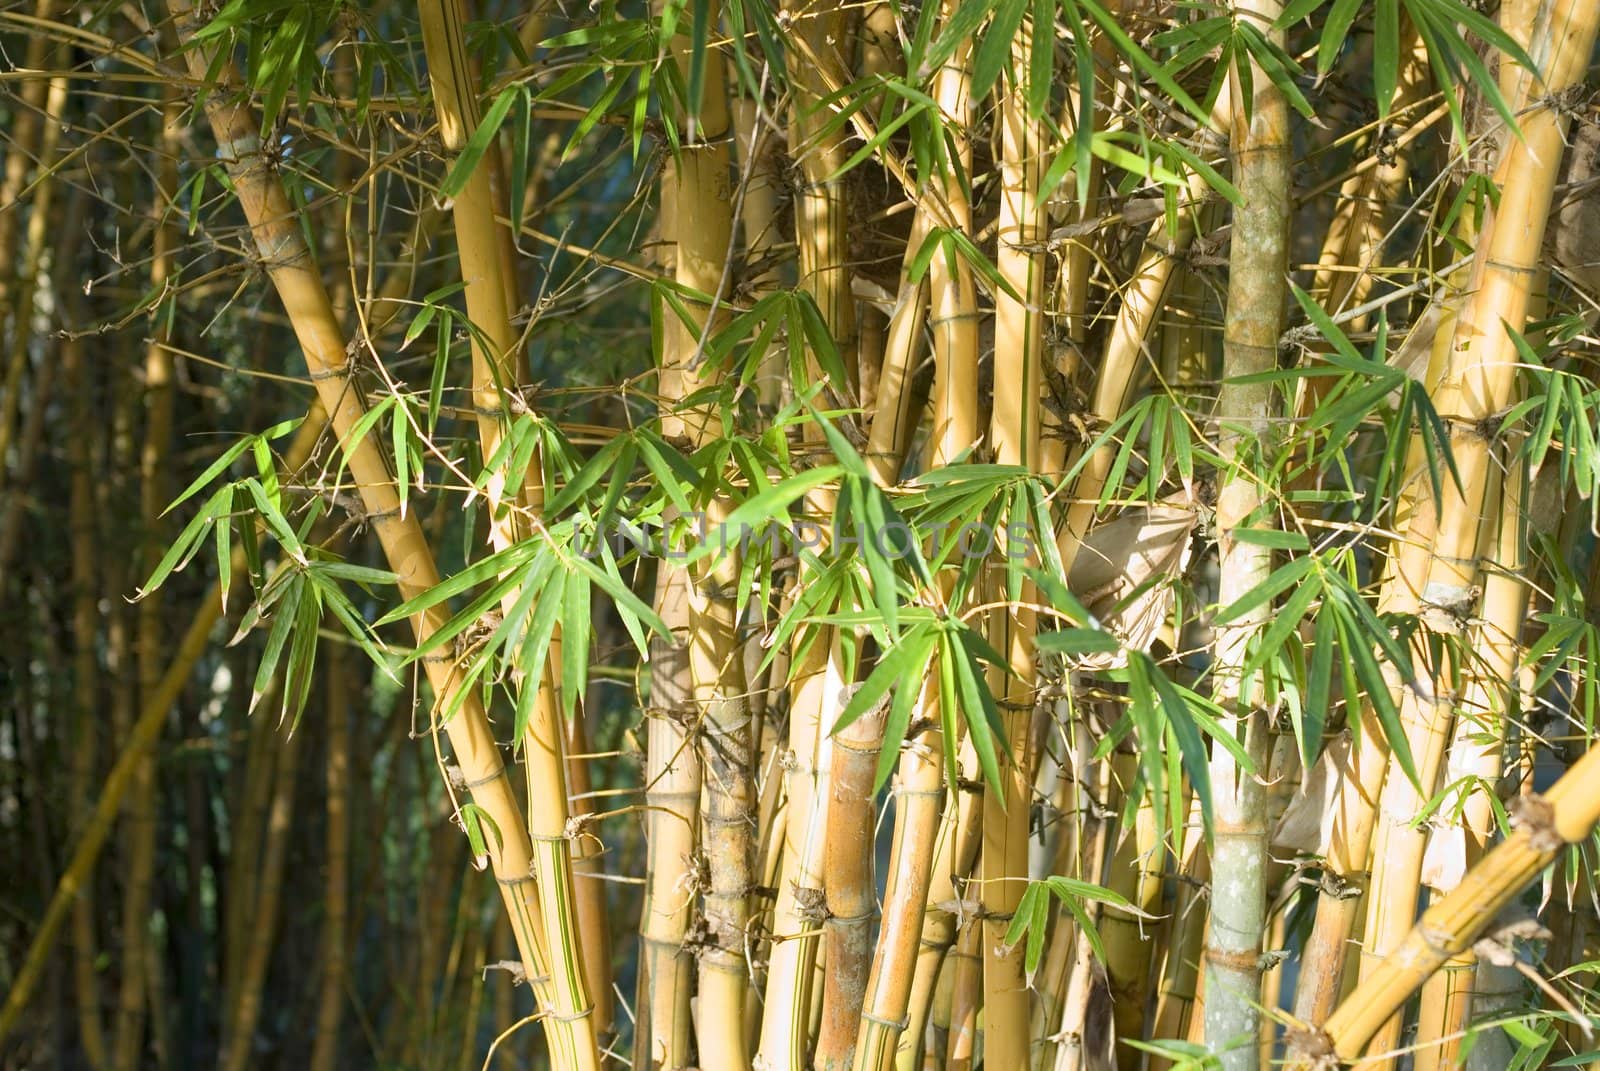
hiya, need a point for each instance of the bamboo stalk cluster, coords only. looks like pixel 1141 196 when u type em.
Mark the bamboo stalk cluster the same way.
pixel 1241 739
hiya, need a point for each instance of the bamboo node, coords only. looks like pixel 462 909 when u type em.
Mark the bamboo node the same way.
pixel 339 371
pixel 1447 608
pixel 810 904
pixel 1537 817
pixel 580 826
pixel 1312 1047
pixel 899 1026
pixel 519 973
pixel 1338 887
pixel 458 777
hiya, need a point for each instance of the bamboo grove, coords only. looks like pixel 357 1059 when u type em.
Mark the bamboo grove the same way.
pixel 767 534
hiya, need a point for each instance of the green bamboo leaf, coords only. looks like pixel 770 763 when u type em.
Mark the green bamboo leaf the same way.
pixel 948 705
pixel 959 29
pixel 474 820
pixel 400 426
pixel 1285 621
pixel 879 139
pixel 699 42
pixel 532 655
pixel 441 365
pixel 1191 745
pixel 895 726
pixel 626 601
pixel 1309 728
pixel 773 503
pixel 1137 56
pixel 356 627
pixel 993 53
pixel 672 470
pixel 471 615
pixel 1281 579
pixel 188 542
pixel 212 471
pixel 1085 922
pixel 1367 673
pixel 302 654
pixel 866 500
pixel 1041 58
pixel 1279 66
pixel 419 324
pixel 1385 54
pixel 575 633
pixel 901 665
pixel 282 624
pixel 485 569
pixel 223 530
pixel 978 710
pixel 814 330
pixel 478 143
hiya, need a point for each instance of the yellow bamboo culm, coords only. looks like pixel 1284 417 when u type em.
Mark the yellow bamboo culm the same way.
pixel 1014 436
pixel 294 275
pixel 1543 826
pixel 1476 386
pixel 490 283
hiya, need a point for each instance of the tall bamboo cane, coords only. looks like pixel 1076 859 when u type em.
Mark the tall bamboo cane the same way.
pixel 704 233
pixel 1564 815
pixel 334 938
pixel 153 460
pixel 954 429
pixel 672 794
pixel 239 1032
pixel 481 243
pixel 31 130
pixel 292 270
pixel 85 735
pixel 1257 272
pixel 1476 386
pixel 1014 430
pixel 817 46
pixel 1476 750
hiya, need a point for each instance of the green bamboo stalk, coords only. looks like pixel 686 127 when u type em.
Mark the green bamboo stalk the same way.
pixel 1257 273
